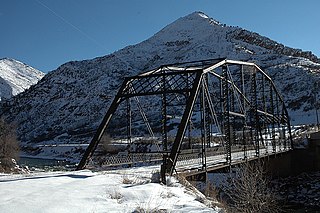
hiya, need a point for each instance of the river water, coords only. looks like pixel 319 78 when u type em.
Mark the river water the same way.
pixel 45 164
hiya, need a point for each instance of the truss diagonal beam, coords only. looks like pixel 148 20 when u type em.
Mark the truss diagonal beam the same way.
pixel 183 125
pixel 103 125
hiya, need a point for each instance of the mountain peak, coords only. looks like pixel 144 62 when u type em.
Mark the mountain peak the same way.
pixel 9 60
pixel 198 15
pixel 196 25
pixel 16 77
pixel 14 62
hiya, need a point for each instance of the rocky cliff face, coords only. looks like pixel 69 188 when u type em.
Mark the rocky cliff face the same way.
pixel 67 105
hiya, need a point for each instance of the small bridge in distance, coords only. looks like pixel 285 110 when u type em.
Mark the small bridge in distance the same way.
pixel 194 116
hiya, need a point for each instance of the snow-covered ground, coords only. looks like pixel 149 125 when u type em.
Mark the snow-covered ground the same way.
pixel 123 190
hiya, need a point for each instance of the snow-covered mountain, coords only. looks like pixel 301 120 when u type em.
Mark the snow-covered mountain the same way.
pixel 15 77
pixel 67 105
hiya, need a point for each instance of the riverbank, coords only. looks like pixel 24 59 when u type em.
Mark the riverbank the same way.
pixel 300 192
pixel 45 164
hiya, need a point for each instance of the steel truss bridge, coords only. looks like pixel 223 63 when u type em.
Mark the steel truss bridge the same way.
pixel 194 115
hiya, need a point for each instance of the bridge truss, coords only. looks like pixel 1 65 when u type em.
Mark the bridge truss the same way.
pixel 194 110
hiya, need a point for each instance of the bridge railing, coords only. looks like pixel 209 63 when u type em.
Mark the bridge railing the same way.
pixel 129 159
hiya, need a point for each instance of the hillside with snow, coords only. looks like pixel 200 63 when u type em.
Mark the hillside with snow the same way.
pixel 68 104
pixel 15 77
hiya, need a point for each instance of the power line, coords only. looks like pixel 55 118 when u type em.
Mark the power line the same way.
pixel 72 25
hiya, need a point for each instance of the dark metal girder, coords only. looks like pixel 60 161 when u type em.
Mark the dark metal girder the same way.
pixel 237 114
pixel 155 84
pixel 161 74
pixel 181 91
pixel 226 112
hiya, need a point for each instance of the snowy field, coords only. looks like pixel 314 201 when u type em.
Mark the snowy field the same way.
pixel 124 190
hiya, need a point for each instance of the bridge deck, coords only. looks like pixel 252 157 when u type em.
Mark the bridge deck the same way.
pixel 192 163
pixel 215 162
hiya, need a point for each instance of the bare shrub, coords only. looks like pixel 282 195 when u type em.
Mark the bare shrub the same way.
pixel 199 196
pixel 140 209
pixel 134 180
pixel 183 181
pixel 248 191
pixel 127 180
pixel 116 195
pixel 211 191
pixel 9 147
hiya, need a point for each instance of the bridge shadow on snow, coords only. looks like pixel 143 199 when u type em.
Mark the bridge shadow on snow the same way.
pixel 75 176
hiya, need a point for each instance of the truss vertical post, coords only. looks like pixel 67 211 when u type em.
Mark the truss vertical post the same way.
pixel 264 104
pixel 189 121
pixel 164 129
pixel 203 127
pixel 284 137
pixel 282 131
pixel 289 127
pixel 221 108
pixel 263 94
pixel 261 104
pixel 205 122
pixel 207 112
pixel 189 134
pixel 233 119
pixel 278 122
pixel 287 122
pixel 244 133
pixel 244 143
pixel 273 132
pixel 129 121
pixel 268 134
pixel 164 115
pixel 226 112
pixel 243 89
pixel 254 110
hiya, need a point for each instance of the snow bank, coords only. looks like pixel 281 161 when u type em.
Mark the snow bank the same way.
pixel 86 191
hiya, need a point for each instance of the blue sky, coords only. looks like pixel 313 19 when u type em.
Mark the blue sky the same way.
pixel 48 33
